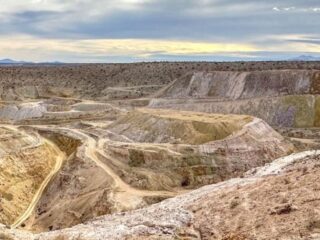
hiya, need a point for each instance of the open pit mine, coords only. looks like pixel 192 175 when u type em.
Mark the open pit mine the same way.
pixel 226 151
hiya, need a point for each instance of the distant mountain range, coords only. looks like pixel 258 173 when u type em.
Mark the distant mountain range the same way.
pixel 8 61
pixel 306 58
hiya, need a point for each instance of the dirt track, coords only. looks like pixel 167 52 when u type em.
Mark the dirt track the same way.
pixel 125 194
pixel 60 157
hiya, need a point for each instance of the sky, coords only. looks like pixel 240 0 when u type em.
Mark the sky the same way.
pixel 158 30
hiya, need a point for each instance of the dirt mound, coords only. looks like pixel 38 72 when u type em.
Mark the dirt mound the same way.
pixel 159 126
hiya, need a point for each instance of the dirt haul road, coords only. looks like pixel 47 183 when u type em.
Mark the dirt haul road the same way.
pixel 60 157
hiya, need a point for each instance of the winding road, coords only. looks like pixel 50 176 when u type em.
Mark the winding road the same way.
pixel 60 157
pixel 91 151
pixel 123 193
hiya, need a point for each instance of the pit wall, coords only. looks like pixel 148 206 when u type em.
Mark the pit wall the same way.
pixel 193 165
pixel 243 85
pixel 19 93
pixel 284 111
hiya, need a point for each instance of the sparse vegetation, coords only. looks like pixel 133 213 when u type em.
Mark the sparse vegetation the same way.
pixel 107 162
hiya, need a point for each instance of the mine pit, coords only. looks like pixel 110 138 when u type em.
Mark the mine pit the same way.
pixel 191 151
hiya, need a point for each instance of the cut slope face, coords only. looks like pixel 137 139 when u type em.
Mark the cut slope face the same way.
pixel 55 111
pixel 26 161
pixel 241 85
pixel 18 112
pixel 285 111
pixel 287 98
pixel 159 126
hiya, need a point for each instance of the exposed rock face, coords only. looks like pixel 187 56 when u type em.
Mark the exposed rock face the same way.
pixel 282 98
pixel 286 111
pixel 57 111
pixel 19 93
pixel 19 112
pixel 243 85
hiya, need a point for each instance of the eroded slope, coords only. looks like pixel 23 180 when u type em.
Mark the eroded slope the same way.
pixel 26 162
pixel 286 98
pixel 243 85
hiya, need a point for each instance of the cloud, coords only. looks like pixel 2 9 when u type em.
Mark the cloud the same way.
pixel 117 47
pixel 108 50
pixel 296 9
pixel 308 40
pixel 211 23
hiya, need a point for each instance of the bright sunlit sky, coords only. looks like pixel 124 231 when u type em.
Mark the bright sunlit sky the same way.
pixel 148 30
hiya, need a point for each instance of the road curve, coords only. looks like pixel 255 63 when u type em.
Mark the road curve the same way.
pixel 92 149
